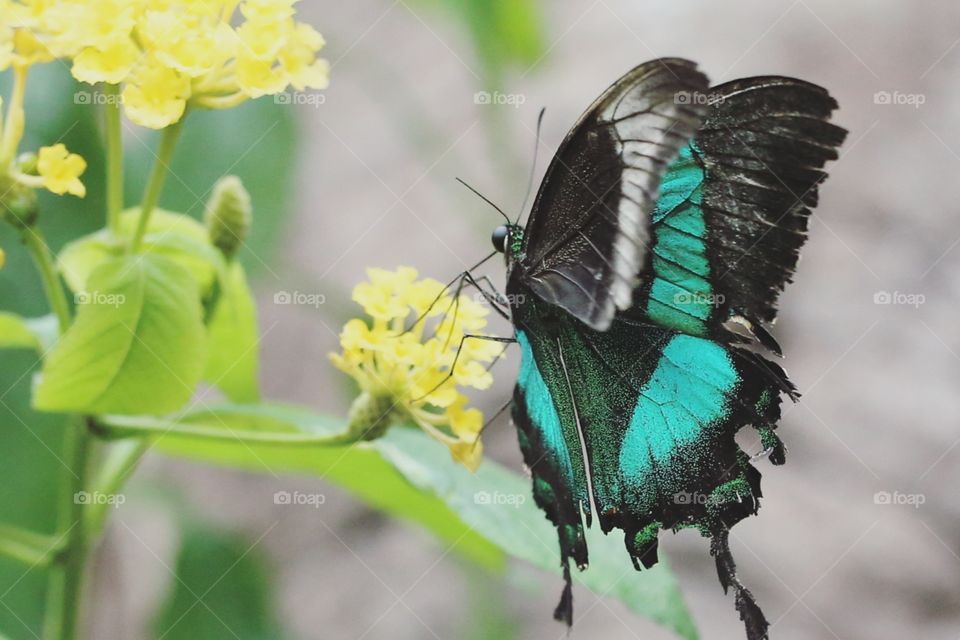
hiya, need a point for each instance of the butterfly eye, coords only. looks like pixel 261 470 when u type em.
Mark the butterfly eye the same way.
pixel 499 237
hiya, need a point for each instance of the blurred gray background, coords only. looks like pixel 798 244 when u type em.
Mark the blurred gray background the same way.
pixel 880 407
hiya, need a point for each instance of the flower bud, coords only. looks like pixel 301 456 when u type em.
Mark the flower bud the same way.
pixel 371 415
pixel 18 203
pixel 229 215
pixel 27 163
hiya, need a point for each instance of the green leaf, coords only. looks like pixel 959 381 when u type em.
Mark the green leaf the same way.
pixel 494 502
pixel 221 590
pixel 499 505
pixel 359 468
pixel 81 257
pixel 27 333
pixel 137 344
pixel 233 360
pixel 176 236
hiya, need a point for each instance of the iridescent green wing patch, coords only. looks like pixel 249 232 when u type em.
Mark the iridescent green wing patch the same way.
pixel 733 208
pixel 679 293
pixel 658 411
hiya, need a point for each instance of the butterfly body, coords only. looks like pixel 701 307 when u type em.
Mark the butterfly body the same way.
pixel 662 225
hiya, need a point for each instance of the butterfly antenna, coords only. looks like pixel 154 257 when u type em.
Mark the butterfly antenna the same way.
pixel 533 168
pixel 485 199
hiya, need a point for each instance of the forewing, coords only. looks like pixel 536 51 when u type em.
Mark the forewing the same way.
pixel 587 236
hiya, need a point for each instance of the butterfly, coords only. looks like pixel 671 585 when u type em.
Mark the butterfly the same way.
pixel 641 289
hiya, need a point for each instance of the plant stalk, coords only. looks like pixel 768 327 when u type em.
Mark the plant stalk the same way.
pixel 52 285
pixel 66 576
pixel 13 128
pixel 114 135
pixel 158 175
pixel 117 427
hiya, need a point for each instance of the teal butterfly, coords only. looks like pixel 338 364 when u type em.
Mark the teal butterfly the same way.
pixel 666 227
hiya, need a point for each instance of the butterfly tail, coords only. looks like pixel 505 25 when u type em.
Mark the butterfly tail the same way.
pixel 564 611
pixel 753 619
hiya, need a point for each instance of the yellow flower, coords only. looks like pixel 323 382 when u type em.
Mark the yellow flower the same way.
pixel 61 170
pixel 28 49
pixel 194 43
pixel 403 357
pixel 168 54
pixel 157 95
pixel 466 425
pixel 110 62
pixel 3 258
pixel 257 78
pixel 275 51
pixel 299 60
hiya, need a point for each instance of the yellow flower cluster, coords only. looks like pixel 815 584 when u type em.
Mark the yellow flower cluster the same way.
pixel 60 170
pixel 168 53
pixel 411 366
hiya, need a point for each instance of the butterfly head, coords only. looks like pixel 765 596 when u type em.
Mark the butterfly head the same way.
pixel 508 240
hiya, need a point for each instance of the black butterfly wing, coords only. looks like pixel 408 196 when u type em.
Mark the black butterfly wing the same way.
pixel 735 206
pixel 585 241
pixel 764 144
pixel 638 422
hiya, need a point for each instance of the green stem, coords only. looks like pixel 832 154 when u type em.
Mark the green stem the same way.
pixel 113 471
pixel 114 136
pixel 13 129
pixel 66 576
pixel 52 286
pixel 114 427
pixel 28 547
pixel 151 195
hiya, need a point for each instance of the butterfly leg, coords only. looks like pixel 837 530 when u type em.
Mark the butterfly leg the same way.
pixel 456 358
pixel 493 296
pixel 459 281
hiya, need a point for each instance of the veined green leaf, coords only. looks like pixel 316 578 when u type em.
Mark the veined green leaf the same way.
pixel 358 468
pixel 498 504
pixel 136 347
pixel 176 236
pixel 493 505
